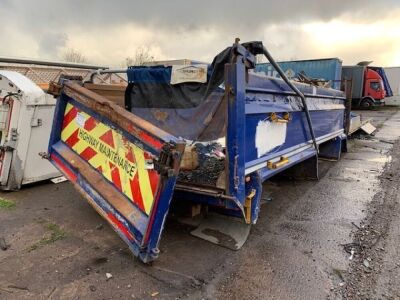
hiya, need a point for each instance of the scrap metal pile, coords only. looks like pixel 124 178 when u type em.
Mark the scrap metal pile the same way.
pixel 203 164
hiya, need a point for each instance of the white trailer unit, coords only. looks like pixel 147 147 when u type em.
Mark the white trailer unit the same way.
pixel 393 75
pixel 26 116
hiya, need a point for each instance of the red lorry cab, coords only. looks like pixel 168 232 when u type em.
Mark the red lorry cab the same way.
pixel 373 85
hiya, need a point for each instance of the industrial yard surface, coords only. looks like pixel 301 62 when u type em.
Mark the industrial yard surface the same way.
pixel 333 238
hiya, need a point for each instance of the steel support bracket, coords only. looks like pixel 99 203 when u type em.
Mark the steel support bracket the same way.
pixel 247 206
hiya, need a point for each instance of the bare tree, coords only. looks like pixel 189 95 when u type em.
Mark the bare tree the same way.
pixel 141 56
pixel 72 55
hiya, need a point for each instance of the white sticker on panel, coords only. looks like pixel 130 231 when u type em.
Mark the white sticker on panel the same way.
pixel 188 73
pixel 80 120
pixel 269 135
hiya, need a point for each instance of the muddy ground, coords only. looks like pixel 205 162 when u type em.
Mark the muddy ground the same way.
pixel 58 247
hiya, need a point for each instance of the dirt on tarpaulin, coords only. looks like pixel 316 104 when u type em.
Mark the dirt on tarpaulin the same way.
pixel 374 271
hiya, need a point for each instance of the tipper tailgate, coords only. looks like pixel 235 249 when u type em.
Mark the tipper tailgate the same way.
pixel 124 166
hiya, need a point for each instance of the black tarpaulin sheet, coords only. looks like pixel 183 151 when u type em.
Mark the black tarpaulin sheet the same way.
pixel 193 111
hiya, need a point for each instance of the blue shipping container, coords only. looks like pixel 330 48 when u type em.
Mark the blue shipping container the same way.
pixel 326 69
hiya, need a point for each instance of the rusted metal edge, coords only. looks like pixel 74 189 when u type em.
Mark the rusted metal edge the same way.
pixel 215 192
pixel 211 193
pixel 116 114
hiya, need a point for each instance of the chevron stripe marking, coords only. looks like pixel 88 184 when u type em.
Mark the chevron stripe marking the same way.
pixel 119 160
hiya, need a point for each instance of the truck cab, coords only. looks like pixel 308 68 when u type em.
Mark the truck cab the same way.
pixel 369 85
pixel 374 90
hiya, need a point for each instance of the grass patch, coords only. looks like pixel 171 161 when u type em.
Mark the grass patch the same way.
pixel 40 220
pixel 54 233
pixel 7 204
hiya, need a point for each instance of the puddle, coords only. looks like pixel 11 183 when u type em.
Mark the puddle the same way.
pixel 384 160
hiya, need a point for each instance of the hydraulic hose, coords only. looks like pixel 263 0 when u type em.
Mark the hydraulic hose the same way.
pixel 296 90
pixel 8 96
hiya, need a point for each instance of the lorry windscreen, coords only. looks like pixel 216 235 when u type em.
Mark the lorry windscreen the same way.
pixel 375 85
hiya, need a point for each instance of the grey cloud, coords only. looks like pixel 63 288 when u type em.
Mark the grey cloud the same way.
pixel 184 14
pixel 51 43
pixel 176 24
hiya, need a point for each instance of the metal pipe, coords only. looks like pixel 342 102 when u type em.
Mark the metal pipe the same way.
pixel 25 61
pixel 108 71
pixel 100 71
pixel 270 91
pixel 296 90
pixel 192 189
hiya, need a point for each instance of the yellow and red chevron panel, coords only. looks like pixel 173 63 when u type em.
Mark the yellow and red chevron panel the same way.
pixel 120 161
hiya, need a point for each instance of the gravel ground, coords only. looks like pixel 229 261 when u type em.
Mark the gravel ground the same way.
pixel 374 271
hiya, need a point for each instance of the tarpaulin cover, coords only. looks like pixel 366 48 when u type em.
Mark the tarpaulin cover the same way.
pixel 190 110
pixel 197 111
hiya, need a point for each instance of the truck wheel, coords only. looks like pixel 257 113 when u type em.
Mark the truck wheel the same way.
pixel 367 103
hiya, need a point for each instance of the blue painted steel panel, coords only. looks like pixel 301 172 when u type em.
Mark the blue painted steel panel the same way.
pixel 267 173
pixel 326 109
pixel 327 69
pixel 236 144
pixel 324 122
pixel 264 96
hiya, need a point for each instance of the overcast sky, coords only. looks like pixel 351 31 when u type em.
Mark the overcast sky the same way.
pixel 106 32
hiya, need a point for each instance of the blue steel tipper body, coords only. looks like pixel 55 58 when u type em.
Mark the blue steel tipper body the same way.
pixel 251 104
pixel 266 132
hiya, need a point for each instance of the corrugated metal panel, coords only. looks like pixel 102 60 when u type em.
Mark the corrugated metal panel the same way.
pixel 356 74
pixel 43 72
pixel 327 69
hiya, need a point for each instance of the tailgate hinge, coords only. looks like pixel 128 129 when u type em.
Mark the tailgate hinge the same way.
pixel 168 162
